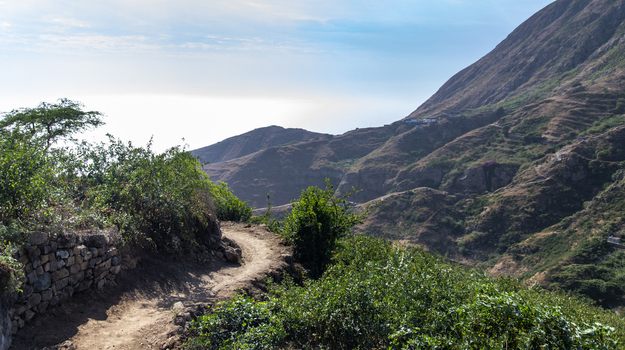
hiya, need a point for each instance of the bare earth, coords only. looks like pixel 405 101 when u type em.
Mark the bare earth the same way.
pixel 137 314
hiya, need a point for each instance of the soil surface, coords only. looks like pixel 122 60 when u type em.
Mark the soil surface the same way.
pixel 138 312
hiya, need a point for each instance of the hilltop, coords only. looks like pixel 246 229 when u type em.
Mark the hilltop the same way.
pixel 253 141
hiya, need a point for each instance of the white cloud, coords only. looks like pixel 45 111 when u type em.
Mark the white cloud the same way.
pixel 95 44
pixel 69 22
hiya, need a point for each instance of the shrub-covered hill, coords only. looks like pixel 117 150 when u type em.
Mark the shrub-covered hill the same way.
pixel 549 225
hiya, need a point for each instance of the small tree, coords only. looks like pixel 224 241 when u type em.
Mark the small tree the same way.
pixel 318 220
pixel 50 122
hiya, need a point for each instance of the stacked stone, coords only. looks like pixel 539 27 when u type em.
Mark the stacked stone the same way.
pixel 56 267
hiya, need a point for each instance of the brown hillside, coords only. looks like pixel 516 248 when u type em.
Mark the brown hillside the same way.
pixel 253 141
pixel 548 50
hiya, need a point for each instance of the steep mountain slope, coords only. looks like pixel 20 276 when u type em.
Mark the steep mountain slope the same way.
pixel 569 40
pixel 253 141
pixel 511 165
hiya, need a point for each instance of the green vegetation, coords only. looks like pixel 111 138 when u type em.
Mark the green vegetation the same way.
pixel 267 218
pixel 540 91
pixel 533 125
pixel 318 220
pixel 532 129
pixel 25 172
pixel 162 200
pixel 49 123
pixel 604 124
pixel 229 207
pixel 576 255
pixel 375 296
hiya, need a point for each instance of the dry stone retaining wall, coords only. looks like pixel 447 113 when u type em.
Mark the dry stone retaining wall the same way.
pixel 55 268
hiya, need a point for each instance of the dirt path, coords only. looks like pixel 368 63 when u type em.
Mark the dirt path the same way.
pixel 138 313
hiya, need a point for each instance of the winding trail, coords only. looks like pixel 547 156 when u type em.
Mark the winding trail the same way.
pixel 138 313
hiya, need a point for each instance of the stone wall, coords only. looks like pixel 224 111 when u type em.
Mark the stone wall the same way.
pixel 56 267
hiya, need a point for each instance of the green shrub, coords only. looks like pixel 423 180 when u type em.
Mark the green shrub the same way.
pixel 267 219
pixel 604 124
pixel 24 177
pixel 472 239
pixel 229 207
pixel 239 323
pixel 11 272
pixel 318 220
pixel 163 198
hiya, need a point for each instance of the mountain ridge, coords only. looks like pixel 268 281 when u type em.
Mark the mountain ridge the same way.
pixel 499 167
pixel 532 53
pixel 253 141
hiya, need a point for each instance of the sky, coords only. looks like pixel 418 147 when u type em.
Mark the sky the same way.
pixel 195 72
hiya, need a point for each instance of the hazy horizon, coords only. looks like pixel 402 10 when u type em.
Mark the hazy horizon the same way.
pixel 208 70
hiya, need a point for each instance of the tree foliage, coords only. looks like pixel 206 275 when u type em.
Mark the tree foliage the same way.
pixel 24 173
pixel 51 122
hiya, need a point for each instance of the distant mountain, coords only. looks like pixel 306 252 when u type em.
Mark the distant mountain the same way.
pixel 253 141
pixel 282 172
pixel 516 164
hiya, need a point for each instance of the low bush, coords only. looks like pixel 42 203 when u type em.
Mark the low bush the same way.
pixel 161 198
pixel 240 323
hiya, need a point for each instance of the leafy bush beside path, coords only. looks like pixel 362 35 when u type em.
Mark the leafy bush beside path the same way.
pixel 376 296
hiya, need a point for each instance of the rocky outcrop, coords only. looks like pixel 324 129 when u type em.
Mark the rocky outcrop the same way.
pixel 229 250
pixel 371 182
pixel 482 178
pixel 422 176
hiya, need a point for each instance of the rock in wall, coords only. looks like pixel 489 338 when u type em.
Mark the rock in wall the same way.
pixel 55 268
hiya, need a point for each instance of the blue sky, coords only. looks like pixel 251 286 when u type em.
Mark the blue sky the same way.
pixel 207 70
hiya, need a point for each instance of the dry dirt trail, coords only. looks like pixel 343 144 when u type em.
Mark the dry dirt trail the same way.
pixel 137 314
